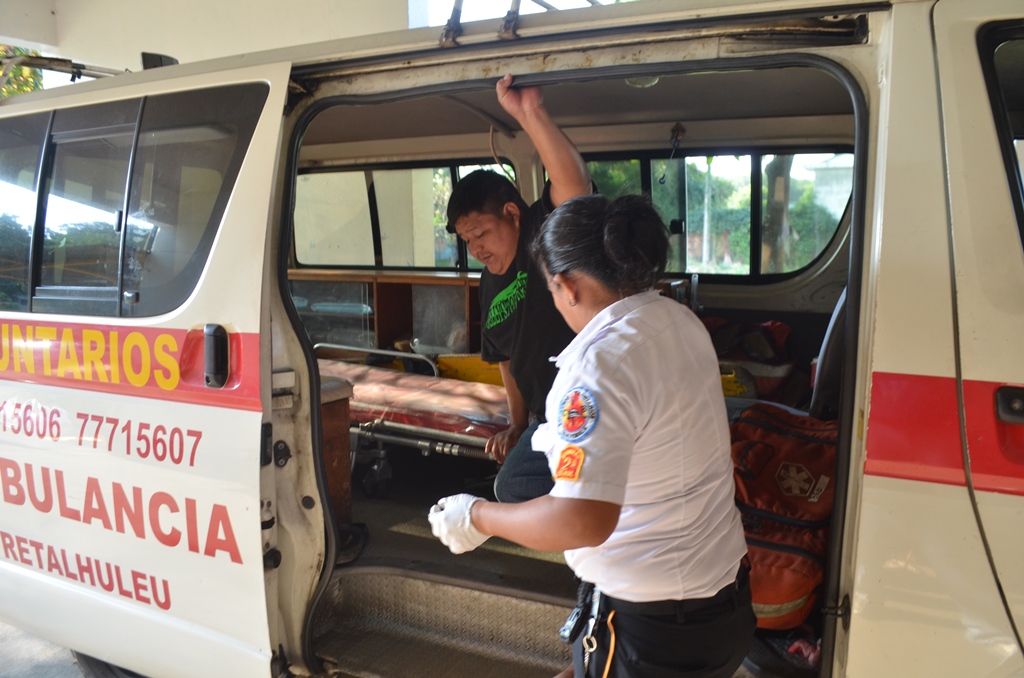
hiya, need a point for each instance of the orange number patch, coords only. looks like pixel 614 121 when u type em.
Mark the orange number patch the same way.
pixel 570 461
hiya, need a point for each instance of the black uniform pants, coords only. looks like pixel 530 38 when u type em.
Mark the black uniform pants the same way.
pixel 672 639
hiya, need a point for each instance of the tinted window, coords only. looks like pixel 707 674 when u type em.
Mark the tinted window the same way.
pixel 332 220
pixel 718 215
pixel 21 142
pixel 174 156
pixel 707 201
pixel 804 197
pixel 190 148
pixel 395 218
pixel 336 312
pixel 83 224
pixel 615 178
pixel 1003 58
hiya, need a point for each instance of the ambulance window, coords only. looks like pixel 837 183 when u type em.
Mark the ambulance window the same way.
pixel 803 199
pixel 386 217
pixel 83 216
pixel 707 201
pixel 183 156
pixel 717 217
pixel 410 207
pixel 332 220
pixel 616 178
pixel 21 142
pixel 190 148
pixel 1003 61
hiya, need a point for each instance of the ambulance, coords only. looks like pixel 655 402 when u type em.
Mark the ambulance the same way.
pixel 187 252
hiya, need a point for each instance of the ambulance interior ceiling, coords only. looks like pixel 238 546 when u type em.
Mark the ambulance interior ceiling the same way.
pixel 771 94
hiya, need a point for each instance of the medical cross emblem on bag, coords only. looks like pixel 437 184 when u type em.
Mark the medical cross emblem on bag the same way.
pixel 794 479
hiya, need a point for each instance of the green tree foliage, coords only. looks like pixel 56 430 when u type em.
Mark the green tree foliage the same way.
pixel 615 178
pixel 811 227
pixel 678 195
pixel 728 217
pixel 445 253
pixel 22 79
pixel 14 244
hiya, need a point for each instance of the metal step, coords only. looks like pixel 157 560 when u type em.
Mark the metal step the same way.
pixel 390 622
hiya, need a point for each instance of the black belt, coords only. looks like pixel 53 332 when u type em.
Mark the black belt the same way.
pixel 679 608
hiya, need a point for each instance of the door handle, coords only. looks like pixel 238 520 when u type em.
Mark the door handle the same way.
pixel 216 355
pixel 1010 404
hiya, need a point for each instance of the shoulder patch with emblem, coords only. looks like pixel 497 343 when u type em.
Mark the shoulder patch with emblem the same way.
pixel 570 462
pixel 577 414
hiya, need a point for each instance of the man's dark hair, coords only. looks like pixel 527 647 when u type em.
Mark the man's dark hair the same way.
pixel 482 191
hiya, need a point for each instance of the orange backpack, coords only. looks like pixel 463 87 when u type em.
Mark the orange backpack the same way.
pixel 784 466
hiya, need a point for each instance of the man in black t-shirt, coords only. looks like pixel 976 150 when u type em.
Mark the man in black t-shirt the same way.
pixel 521 329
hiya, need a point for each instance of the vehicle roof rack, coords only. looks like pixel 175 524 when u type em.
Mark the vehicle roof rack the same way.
pixel 507 31
pixel 76 70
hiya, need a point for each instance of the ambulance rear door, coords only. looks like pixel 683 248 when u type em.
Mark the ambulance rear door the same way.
pixel 980 47
pixel 134 376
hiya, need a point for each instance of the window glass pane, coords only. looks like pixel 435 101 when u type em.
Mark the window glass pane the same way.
pixel 507 170
pixel 191 146
pixel 1009 63
pixel 1008 60
pixel 21 142
pixel 332 220
pixel 336 312
pixel 81 242
pixel 410 208
pixel 668 193
pixel 463 170
pixel 615 178
pixel 803 199
pixel 718 214
pixel 446 245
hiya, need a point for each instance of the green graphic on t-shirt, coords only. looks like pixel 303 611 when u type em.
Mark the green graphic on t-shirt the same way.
pixel 506 301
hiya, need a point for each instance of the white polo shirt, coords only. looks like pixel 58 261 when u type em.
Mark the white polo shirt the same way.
pixel 636 417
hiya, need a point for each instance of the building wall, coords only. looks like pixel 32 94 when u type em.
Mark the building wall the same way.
pixel 113 33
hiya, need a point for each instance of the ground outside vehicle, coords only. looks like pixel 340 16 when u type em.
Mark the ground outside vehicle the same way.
pixel 174 243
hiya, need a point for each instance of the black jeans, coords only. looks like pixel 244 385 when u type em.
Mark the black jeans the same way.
pixel 678 639
pixel 525 475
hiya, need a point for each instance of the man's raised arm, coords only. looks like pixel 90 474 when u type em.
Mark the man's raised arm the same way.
pixel 565 167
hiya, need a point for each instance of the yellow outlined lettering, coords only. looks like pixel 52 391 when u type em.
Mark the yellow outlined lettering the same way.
pixel 68 359
pixel 46 335
pixel 23 353
pixel 141 377
pixel 94 347
pixel 163 347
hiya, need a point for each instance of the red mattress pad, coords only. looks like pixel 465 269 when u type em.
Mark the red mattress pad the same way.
pixel 435 403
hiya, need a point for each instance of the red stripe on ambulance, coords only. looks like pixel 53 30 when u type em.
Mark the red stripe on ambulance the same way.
pixel 914 433
pixel 914 429
pixel 160 363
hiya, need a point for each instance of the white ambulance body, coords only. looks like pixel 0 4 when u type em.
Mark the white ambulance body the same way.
pixel 167 503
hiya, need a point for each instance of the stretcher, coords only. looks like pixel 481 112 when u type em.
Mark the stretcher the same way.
pixel 435 415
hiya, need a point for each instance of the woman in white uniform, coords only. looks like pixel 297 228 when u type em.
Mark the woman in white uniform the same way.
pixel 638 445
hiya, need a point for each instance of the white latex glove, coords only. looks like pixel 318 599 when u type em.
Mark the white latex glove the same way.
pixel 451 523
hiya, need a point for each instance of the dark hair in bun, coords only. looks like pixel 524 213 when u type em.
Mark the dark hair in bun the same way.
pixel 622 243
